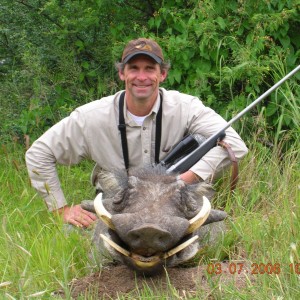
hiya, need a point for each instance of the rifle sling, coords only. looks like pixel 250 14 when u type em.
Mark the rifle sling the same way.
pixel 235 170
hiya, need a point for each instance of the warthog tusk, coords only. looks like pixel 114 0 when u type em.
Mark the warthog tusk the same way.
pixel 138 260
pixel 115 245
pixel 148 262
pixel 102 212
pixel 201 217
pixel 180 247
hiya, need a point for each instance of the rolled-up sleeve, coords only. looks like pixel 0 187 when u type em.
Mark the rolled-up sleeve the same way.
pixel 207 122
pixel 65 143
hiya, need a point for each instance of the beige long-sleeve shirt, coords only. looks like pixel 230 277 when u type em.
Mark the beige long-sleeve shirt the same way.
pixel 91 132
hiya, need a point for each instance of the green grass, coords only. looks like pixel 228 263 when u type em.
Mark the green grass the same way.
pixel 265 213
pixel 37 257
pixel 36 254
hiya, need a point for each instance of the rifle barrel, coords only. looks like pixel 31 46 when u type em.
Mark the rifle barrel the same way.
pixel 263 96
pixel 188 161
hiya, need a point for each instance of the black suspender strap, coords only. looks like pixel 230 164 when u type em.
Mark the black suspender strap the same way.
pixel 158 131
pixel 122 128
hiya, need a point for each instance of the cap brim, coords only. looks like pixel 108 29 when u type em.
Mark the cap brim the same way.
pixel 130 56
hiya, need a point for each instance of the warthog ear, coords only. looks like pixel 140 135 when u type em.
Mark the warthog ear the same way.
pixel 107 182
pixel 215 216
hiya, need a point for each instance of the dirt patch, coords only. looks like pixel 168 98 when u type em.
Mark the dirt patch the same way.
pixel 119 280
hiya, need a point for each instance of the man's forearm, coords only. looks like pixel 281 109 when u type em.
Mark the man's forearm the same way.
pixel 42 172
pixel 217 159
pixel 190 177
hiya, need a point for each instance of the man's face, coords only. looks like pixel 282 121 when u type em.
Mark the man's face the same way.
pixel 142 76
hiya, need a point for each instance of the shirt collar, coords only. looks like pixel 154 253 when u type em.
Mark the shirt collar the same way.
pixel 156 105
pixel 154 110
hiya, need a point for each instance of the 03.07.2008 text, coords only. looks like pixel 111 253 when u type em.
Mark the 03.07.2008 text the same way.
pixel 254 268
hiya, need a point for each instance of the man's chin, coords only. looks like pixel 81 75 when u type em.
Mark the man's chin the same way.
pixel 144 95
pixel 142 98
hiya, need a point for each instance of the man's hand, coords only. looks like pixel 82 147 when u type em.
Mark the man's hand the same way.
pixel 77 216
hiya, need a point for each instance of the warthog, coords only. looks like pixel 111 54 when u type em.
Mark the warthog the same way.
pixel 150 219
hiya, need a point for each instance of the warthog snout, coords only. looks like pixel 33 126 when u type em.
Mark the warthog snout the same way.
pixel 158 233
pixel 149 237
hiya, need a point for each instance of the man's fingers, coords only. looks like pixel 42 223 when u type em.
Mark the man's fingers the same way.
pixel 84 219
pixel 89 214
pixel 80 221
pixel 79 217
pixel 75 223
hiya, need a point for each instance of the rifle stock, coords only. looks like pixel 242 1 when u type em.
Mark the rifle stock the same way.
pixel 188 161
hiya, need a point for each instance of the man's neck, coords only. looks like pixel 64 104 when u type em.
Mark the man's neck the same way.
pixel 140 107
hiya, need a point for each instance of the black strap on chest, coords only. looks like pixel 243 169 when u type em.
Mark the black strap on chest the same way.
pixel 122 128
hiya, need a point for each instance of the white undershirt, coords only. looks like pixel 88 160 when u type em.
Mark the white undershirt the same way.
pixel 137 119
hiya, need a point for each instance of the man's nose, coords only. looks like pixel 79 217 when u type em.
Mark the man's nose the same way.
pixel 142 75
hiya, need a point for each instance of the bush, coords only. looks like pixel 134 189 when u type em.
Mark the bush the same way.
pixel 57 55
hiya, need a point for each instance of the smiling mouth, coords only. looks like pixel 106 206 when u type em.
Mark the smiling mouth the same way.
pixel 142 86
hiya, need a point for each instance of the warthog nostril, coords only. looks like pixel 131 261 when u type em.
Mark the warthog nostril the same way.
pixel 149 236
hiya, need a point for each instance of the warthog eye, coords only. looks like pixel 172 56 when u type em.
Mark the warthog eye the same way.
pixel 119 200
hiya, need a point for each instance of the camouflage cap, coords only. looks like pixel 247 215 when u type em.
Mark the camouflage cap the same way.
pixel 142 46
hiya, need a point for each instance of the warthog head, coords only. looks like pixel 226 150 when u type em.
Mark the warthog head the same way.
pixel 151 216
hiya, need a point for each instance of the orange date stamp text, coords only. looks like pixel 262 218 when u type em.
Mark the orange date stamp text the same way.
pixel 253 269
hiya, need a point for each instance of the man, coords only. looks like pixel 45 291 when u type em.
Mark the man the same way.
pixel 93 131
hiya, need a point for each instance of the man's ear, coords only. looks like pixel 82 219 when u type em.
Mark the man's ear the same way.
pixel 164 74
pixel 121 74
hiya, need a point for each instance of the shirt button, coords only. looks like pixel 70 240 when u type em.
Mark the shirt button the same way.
pixel 145 151
pixel 144 128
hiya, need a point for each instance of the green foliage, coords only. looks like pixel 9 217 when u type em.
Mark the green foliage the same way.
pixel 228 52
pixel 56 55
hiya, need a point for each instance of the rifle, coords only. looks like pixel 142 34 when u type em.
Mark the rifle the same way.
pixel 195 153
